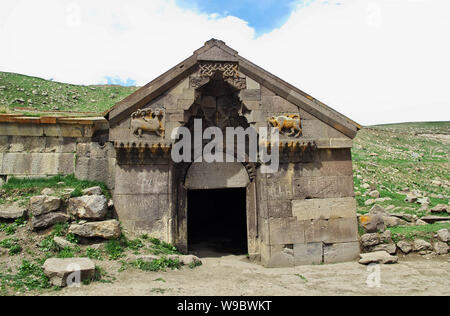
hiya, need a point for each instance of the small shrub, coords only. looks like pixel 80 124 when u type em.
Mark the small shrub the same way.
pixel 94 254
pixel 114 249
pixel 157 265
pixel 14 250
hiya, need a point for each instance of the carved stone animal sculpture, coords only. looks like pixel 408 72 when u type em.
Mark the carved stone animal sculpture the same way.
pixel 287 123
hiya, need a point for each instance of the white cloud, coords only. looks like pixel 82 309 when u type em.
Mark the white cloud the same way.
pixel 376 61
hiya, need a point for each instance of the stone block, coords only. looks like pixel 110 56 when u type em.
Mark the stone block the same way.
pixel 250 95
pixel 308 254
pixel 323 187
pixel 152 179
pixel 316 209
pixel 341 252
pixel 285 231
pixel 151 207
pixel 278 256
pixel 331 231
pixel 279 209
pixel 281 105
pixel 16 129
pixel 324 169
pixel 252 84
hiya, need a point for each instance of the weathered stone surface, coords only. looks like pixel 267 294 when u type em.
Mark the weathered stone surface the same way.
pixel 93 191
pixel 12 211
pixel 433 219
pixel 62 243
pixel 374 194
pixel 63 272
pixel 377 257
pixel 106 230
pixel 285 231
pixel 47 191
pixel 341 252
pixel 378 210
pixel 189 260
pixel 411 199
pixel 441 208
pixel 441 248
pixel 372 223
pixel 331 231
pixel 443 235
pixel 389 248
pixel 420 222
pixel 142 179
pixel 407 217
pixel 391 221
pixel 89 207
pixel 44 204
pixel 370 240
pixel 308 254
pixel 323 187
pixel 420 245
pixel 49 219
pixel 324 208
pixel 277 256
pixel 405 246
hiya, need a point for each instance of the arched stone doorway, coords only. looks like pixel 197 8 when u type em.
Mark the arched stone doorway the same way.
pixel 217 212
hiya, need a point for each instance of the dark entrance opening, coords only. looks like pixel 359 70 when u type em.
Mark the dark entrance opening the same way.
pixel 217 222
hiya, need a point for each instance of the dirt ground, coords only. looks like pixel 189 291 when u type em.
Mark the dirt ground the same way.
pixel 236 276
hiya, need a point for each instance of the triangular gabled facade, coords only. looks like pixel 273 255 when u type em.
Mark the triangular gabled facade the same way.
pixel 301 212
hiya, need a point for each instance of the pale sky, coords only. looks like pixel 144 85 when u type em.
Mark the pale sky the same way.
pixel 376 61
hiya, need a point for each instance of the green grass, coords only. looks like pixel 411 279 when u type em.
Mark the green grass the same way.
pixel 29 276
pixel 23 91
pixel 161 264
pixel 403 160
pixel 425 232
pixel 29 187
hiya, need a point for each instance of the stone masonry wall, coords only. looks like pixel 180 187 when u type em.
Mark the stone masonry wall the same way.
pixel 38 150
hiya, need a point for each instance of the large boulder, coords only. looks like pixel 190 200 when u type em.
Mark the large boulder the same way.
pixel 372 223
pixel 421 245
pixel 377 257
pixel 370 240
pixel 47 220
pixel 378 209
pixel 443 235
pixel 106 229
pixel 389 248
pixel 404 246
pixel 93 207
pixel 441 208
pixel 392 221
pixel 93 191
pixel 63 272
pixel 441 248
pixel 43 204
pixel 433 219
pixel 12 211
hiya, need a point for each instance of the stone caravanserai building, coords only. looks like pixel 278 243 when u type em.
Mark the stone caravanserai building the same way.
pixel 304 213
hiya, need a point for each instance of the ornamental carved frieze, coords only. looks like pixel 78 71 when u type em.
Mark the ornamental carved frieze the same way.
pixel 148 120
pixel 228 70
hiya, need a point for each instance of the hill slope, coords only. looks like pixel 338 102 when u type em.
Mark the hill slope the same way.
pixel 23 91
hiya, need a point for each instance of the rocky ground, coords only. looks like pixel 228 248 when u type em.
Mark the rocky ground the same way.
pixel 402 186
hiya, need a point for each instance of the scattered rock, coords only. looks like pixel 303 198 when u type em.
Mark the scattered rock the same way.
pixel 421 245
pixel 190 259
pixel 93 191
pixel 44 204
pixel 100 246
pixel 436 183
pixel 441 208
pixel 48 191
pixel 370 240
pixel 372 223
pixel 47 220
pixel 63 272
pixel 443 235
pixel 378 209
pixel 407 217
pixel 441 248
pixel 389 248
pixel 88 207
pixel 433 219
pixel 411 199
pixel 146 258
pixel 374 194
pixel 386 237
pixel 420 222
pixel 424 201
pixel 369 202
pixel 12 211
pixel 110 204
pixel 62 243
pixel 365 186
pixel 405 246
pixel 106 230
pixel 377 257
pixel 391 221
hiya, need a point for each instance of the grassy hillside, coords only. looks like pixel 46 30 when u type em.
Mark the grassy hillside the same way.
pixel 391 158
pixel 18 91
